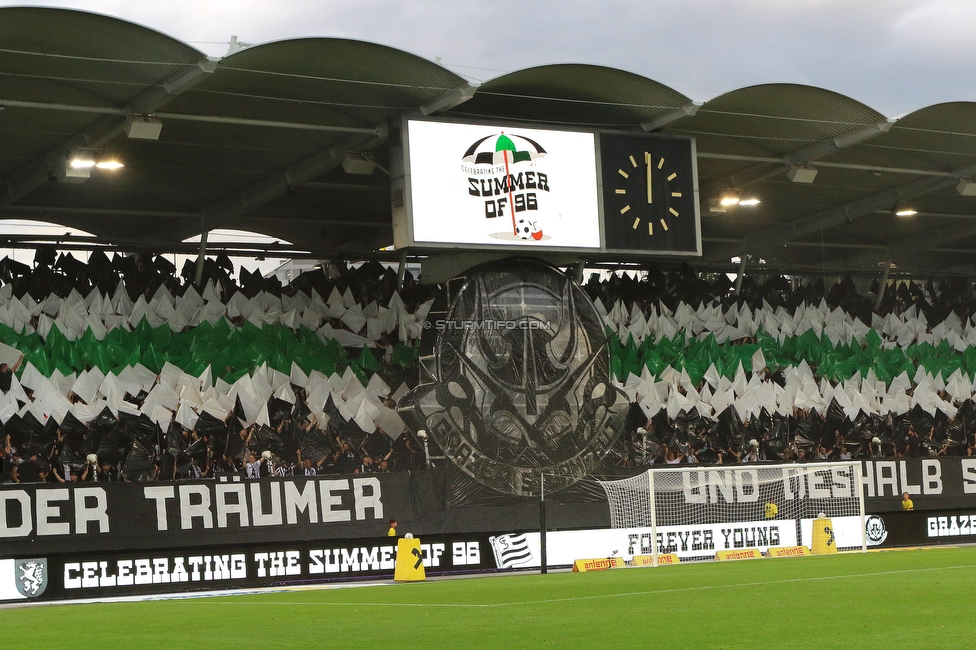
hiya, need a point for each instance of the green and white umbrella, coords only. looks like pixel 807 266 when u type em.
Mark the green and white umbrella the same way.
pixel 501 148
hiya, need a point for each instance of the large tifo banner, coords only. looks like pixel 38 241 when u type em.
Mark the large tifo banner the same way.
pixel 125 539
pixel 47 518
pixel 44 518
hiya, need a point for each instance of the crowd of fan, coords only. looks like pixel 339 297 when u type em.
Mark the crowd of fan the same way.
pixel 123 443
pixel 127 447
pixel 122 446
pixel 373 455
pixel 921 415
pixel 801 437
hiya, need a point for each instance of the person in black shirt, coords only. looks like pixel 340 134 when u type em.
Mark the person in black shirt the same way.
pixel 6 460
pixel 913 443
pixel 6 378
pixel 107 473
pixel 33 470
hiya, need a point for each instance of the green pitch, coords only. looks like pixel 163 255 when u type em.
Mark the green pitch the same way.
pixel 898 599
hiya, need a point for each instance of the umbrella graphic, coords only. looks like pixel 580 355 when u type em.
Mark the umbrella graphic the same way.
pixel 502 148
pixel 507 149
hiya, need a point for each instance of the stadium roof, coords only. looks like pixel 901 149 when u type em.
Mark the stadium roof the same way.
pixel 256 140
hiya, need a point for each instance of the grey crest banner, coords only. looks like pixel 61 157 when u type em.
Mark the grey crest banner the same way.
pixel 520 380
pixel 31 577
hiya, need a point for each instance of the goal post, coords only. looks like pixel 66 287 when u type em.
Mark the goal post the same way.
pixel 694 512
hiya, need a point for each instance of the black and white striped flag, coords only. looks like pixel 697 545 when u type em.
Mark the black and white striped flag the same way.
pixel 511 551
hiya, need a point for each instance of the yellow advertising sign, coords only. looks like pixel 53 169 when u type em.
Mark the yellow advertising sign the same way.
pixel 409 561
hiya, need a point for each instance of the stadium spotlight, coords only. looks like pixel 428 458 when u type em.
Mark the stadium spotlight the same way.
pixel 77 167
pixel 79 163
pixel 109 163
pixel 82 159
pixel 728 199
pixel 903 209
pixel 732 198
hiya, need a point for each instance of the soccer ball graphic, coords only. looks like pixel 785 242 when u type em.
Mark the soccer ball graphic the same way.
pixel 526 229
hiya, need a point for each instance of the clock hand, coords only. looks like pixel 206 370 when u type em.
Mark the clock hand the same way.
pixel 647 166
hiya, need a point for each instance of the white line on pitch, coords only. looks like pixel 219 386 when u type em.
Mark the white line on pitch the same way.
pixel 629 594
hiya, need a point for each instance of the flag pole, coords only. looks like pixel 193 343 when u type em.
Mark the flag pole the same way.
pixel 542 522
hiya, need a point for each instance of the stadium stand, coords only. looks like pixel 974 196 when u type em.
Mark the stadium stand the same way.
pixel 126 370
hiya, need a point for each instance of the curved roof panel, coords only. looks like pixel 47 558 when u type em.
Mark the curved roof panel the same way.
pixel 52 51
pixel 573 94
pixel 941 136
pixel 321 80
pixel 256 141
pixel 76 59
pixel 775 119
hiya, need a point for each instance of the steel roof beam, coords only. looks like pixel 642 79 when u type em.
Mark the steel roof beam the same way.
pixel 186 117
pixel 281 182
pixel 808 154
pixel 271 187
pixel 55 211
pixel 670 116
pixel 877 169
pixel 297 175
pixel 450 99
pixel 803 244
pixel 38 172
pixel 915 244
pixel 764 240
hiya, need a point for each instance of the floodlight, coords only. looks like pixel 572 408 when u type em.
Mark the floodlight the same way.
pixel 728 199
pixel 903 209
pixel 81 162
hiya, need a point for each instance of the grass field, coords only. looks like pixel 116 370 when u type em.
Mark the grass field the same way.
pixel 896 599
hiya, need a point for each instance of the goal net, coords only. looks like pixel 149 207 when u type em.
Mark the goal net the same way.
pixel 694 512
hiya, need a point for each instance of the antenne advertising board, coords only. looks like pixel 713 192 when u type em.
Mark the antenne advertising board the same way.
pixel 492 186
